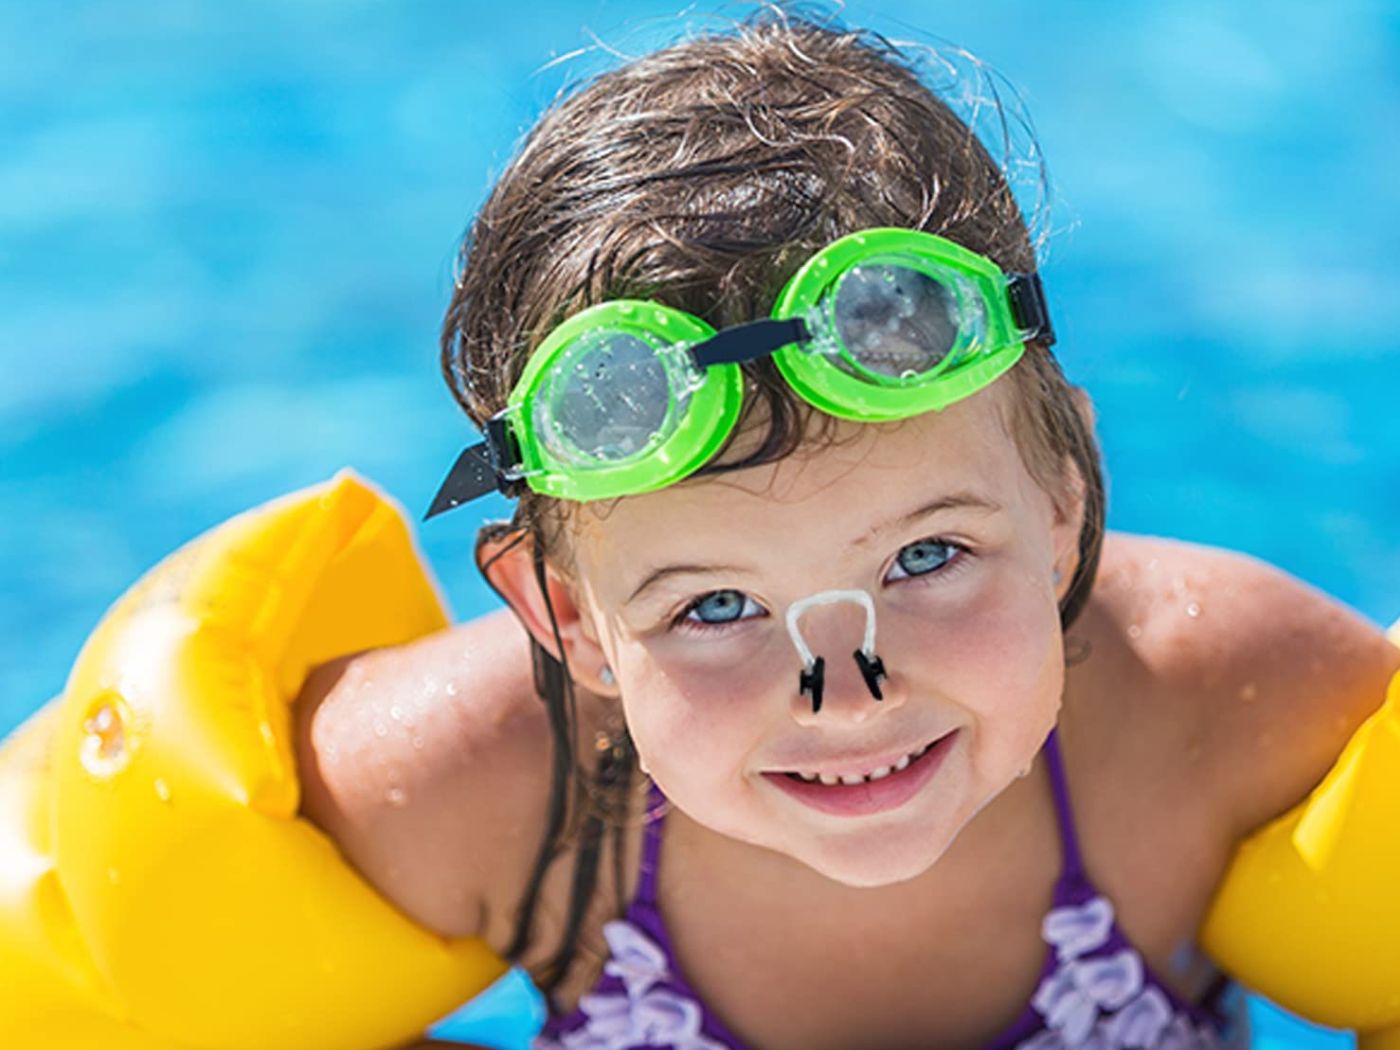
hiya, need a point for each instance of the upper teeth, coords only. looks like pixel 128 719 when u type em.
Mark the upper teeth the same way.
pixel 858 778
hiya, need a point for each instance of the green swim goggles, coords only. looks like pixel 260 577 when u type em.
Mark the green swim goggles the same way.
pixel 630 396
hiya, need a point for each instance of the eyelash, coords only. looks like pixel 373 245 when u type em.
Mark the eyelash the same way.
pixel 685 625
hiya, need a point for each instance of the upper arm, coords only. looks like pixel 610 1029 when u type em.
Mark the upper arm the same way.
pixel 428 765
pixel 1284 675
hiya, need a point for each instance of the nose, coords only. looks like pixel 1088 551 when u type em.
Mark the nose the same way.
pixel 845 696
pixel 839 676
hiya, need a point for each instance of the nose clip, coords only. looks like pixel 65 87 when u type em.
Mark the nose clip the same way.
pixel 811 679
pixel 872 669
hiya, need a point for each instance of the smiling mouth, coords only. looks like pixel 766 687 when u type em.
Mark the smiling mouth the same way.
pixel 878 773
pixel 880 790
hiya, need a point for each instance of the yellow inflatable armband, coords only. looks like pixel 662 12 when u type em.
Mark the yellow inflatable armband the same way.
pixel 158 890
pixel 1309 912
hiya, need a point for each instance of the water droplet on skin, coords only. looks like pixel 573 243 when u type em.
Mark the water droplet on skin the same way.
pixel 103 749
pixel 1193 610
pixel 1134 631
pixel 1249 692
pixel 396 713
pixel 162 790
pixel 395 796
pixel 451 688
pixel 418 743
pixel 381 730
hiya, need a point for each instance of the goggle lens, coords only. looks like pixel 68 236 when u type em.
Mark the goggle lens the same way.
pixel 897 322
pixel 613 396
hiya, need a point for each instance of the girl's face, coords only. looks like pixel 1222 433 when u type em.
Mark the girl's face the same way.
pixel 939 521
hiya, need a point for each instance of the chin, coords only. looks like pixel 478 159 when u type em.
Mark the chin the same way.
pixel 881 859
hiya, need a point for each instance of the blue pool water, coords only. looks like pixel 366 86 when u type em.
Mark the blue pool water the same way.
pixel 226 237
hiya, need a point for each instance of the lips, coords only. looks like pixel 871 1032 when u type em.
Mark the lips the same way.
pixel 877 772
pixel 867 796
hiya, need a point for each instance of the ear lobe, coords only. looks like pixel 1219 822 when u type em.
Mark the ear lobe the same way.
pixel 541 600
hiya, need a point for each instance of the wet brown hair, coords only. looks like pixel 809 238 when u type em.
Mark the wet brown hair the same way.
pixel 701 176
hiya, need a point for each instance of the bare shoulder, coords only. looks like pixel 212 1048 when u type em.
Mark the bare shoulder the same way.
pixel 428 765
pixel 1269 674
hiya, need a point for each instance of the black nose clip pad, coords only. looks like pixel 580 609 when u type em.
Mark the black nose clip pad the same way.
pixel 810 681
pixel 872 669
pixel 812 678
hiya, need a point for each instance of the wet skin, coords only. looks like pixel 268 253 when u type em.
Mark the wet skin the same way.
pixel 1208 694
pixel 972 643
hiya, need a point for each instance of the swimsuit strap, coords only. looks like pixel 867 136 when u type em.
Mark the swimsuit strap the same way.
pixel 1069 841
pixel 651 848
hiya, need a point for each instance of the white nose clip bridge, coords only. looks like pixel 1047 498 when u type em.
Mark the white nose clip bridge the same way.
pixel 811 679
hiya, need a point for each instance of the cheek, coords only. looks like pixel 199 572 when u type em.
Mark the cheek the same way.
pixel 697 708
pixel 996 652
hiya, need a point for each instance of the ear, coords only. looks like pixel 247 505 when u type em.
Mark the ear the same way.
pixel 1070 506
pixel 550 613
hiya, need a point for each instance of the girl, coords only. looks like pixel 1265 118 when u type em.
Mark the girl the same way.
pixel 857 729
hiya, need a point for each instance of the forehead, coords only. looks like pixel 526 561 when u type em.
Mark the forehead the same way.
pixel 863 475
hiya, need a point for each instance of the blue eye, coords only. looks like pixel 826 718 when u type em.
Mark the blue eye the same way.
pixel 718 609
pixel 924 556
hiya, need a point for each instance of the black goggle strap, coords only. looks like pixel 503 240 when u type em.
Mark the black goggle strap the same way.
pixel 1029 306
pixel 492 465
pixel 749 341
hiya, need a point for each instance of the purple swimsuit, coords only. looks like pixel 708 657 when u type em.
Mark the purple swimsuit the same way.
pixel 1095 992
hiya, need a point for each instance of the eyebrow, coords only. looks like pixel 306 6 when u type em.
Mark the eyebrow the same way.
pixel 677 570
pixel 964 500
pixel 953 501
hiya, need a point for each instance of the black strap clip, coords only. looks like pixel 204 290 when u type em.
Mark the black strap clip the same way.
pixel 492 465
pixel 1028 304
